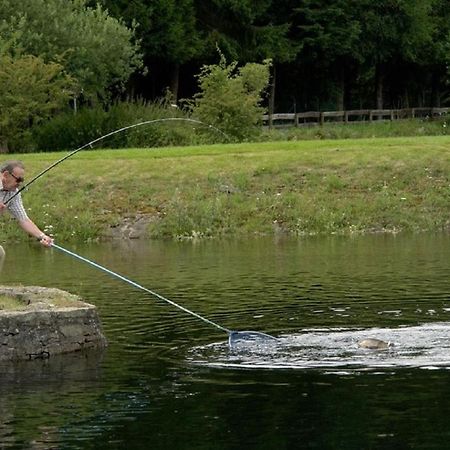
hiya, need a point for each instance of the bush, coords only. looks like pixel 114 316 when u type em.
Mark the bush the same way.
pixel 230 98
pixel 30 92
pixel 171 126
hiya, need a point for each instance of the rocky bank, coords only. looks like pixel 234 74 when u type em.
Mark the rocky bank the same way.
pixel 45 322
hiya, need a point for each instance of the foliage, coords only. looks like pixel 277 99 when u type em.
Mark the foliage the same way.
pixel 327 54
pixel 30 92
pixel 327 45
pixel 330 54
pixel 230 97
pixel 95 49
pixel 69 131
pixel 247 30
pixel 438 55
pixel 166 27
pixel 168 32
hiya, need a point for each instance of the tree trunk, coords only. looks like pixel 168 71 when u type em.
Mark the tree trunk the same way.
pixel 272 96
pixel 379 78
pixel 4 147
pixel 435 88
pixel 406 98
pixel 340 96
pixel 175 81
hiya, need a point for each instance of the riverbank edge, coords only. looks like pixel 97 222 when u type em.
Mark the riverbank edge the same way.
pixel 354 186
pixel 41 329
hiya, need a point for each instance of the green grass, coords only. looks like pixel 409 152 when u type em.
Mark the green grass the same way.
pixel 382 128
pixel 297 187
pixel 9 303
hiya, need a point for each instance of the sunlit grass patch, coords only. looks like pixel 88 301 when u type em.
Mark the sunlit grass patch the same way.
pixel 8 302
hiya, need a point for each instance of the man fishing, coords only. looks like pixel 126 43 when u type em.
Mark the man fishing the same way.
pixel 11 176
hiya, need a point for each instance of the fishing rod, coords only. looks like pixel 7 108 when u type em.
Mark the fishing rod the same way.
pixel 119 130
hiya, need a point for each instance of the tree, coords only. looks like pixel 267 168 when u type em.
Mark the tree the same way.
pixel 177 33
pixel 248 31
pixel 393 32
pixel 168 32
pixel 98 51
pixel 330 33
pixel 437 60
pixel 30 91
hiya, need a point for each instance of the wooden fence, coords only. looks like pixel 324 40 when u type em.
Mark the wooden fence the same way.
pixel 352 116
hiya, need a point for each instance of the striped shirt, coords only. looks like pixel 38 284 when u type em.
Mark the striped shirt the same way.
pixel 15 206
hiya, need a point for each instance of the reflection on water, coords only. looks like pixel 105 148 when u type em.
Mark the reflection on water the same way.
pixel 82 366
pixel 168 380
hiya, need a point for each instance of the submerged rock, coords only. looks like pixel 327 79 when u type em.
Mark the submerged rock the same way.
pixel 38 322
pixel 374 344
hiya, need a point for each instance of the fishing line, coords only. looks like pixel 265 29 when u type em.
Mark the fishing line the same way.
pixel 119 130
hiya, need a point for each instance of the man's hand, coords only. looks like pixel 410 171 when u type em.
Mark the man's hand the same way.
pixel 45 240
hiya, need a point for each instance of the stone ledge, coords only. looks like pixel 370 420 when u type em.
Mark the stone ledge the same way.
pixel 46 322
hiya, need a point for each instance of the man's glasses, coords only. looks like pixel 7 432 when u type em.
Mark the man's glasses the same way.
pixel 18 179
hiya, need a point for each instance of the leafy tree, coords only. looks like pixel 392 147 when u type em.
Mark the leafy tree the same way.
pixel 168 32
pixel 30 91
pixel 330 33
pixel 175 33
pixel 230 97
pixel 249 30
pixel 94 48
pixel 437 58
pixel 393 32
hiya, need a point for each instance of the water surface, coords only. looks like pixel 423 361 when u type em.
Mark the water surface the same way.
pixel 168 380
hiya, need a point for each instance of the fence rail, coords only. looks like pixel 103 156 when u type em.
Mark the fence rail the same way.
pixel 356 115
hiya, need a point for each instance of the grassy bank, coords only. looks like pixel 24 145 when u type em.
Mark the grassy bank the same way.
pixel 298 187
pixel 357 130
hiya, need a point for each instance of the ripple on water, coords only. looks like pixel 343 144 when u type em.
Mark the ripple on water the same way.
pixel 424 346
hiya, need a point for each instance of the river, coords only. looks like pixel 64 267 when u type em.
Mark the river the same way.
pixel 169 380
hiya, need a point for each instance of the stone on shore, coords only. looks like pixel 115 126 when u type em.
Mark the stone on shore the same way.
pixel 38 322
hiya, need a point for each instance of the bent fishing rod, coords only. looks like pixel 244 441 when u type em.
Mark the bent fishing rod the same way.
pixel 119 130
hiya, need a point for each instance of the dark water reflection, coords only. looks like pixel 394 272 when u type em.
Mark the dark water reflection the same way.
pixel 167 380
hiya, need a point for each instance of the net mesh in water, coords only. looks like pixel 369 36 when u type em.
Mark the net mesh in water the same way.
pixel 238 338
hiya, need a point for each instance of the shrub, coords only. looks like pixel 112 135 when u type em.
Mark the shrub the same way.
pixel 69 131
pixel 30 92
pixel 230 97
